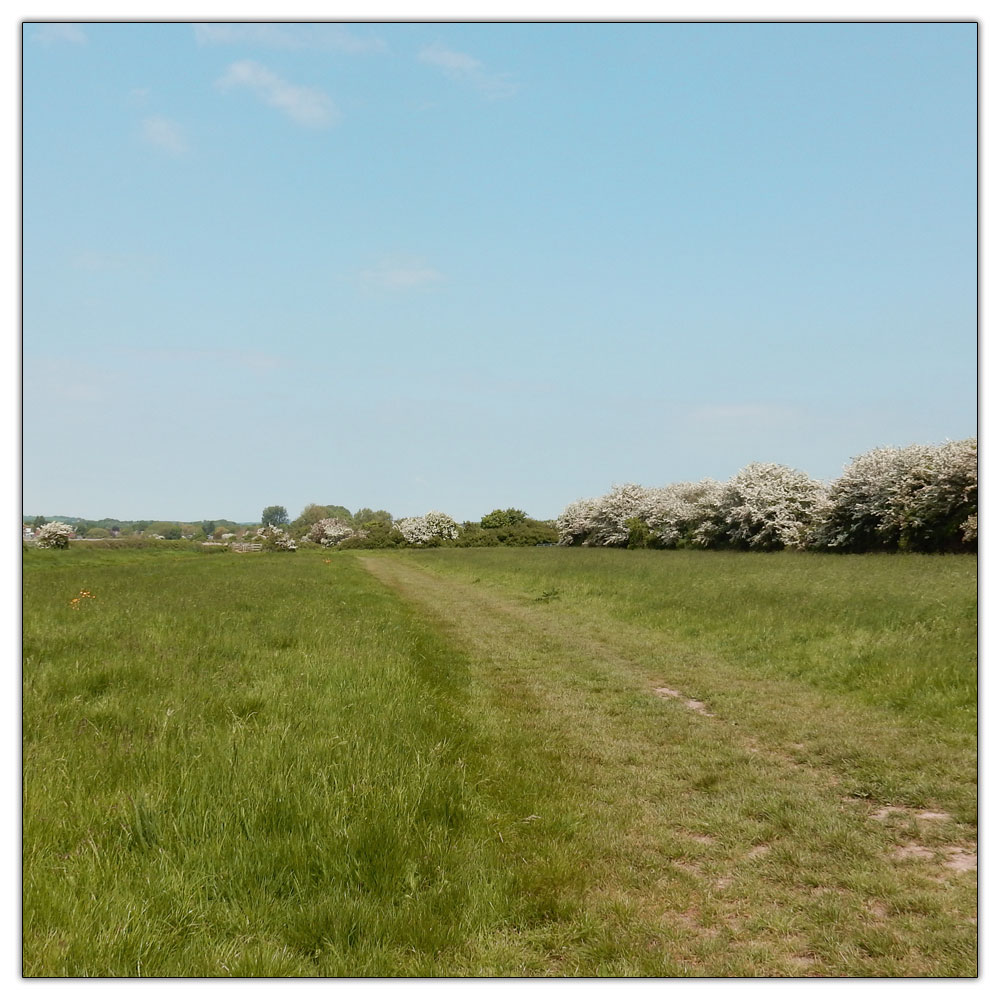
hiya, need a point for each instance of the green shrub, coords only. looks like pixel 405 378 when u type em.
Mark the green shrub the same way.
pixel 639 534
pixel 503 518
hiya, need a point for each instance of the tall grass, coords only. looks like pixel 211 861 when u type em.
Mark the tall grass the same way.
pixel 246 766
pixel 897 632
pixel 274 765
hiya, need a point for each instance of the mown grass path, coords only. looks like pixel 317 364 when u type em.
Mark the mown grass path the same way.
pixel 702 819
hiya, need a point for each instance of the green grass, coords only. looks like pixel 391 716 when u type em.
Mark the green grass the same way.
pixel 455 763
pixel 895 631
pixel 238 769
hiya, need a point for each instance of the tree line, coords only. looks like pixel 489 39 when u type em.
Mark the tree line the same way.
pixel 921 498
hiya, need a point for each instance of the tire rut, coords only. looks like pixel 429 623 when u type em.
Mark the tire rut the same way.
pixel 479 619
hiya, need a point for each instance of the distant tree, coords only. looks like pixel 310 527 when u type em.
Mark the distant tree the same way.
pixel 330 531
pixel 683 515
pixel 54 535
pixel 431 529
pixel 605 520
pixel 769 506
pixel 274 539
pixel 366 516
pixel 208 527
pixel 311 514
pixel 38 522
pixel 577 522
pixel 165 529
pixel 97 533
pixel 503 518
pixel 921 497
pixel 275 516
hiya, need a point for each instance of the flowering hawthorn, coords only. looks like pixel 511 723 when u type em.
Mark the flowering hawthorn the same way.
pixel 610 521
pixel 431 527
pixel 274 539
pixel 54 535
pixel 576 522
pixel 769 506
pixel 684 513
pixel 762 507
pixel 330 531
pixel 921 497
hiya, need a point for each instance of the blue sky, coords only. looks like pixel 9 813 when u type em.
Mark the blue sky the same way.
pixel 417 266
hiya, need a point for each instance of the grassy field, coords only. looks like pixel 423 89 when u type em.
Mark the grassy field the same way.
pixel 499 762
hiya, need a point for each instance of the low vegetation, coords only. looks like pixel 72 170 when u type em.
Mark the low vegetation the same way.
pixel 498 762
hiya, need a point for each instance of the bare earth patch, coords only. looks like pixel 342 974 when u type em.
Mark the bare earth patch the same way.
pixel 692 703
pixel 886 812
pixel 961 859
pixel 958 859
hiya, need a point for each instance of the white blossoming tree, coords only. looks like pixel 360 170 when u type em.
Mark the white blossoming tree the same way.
pixel 53 535
pixel 616 514
pixel 577 521
pixel 921 497
pixel 941 499
pixel 431 529
pixel 274 539
pixel 609 520
pixel 684 514
pixel 330 531
pixel 970 529
pixel 769 506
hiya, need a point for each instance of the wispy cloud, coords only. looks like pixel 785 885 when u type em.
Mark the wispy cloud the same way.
pixel 288 37
pixel 399 275
pixel 304 105
pixel 165 134
pixel 55 34
pixel 467 69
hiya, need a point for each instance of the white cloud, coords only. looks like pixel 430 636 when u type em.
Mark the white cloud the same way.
pixel 396 276
pixel 461 66
pixel 304 105
pixel 288 37
pixel 457 63
pixel 164 134
pixel 53 34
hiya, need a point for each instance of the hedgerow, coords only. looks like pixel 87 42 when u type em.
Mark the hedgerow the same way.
pixel 919 498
